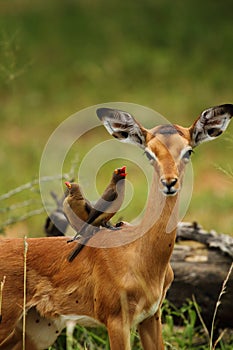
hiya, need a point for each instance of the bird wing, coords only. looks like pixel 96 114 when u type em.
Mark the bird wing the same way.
pixel 102 205
pixel 88 206
pixel 75 222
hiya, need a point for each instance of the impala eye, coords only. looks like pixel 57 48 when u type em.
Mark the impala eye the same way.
pixel 150 155
pixel 187 155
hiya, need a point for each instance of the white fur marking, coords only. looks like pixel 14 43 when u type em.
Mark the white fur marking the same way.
pixel 186 149
pixel 82 320
pixel 151 153
pixel 147 313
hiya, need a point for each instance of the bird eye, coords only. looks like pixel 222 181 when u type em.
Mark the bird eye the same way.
pixel 187 155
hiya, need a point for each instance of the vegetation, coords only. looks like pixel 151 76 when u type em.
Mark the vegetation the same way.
pixel 189 334
pixel 58 57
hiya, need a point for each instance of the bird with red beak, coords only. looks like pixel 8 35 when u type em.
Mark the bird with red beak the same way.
pixel 103 210
pixel 75 206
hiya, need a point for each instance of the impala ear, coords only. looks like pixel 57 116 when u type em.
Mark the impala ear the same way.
pixel 122 126
pixel 211 123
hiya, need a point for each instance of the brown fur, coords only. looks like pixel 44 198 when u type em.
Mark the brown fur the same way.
pixel 118 280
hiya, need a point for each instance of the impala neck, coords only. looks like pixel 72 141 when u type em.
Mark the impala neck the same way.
pixel 160 221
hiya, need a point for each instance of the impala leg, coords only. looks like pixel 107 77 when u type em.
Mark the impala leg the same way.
pixel 150 331
pixel 119 335
pixel 14 342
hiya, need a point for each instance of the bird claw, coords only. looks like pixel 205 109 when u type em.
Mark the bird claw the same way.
pixel 113 228
pixel 75 238
pixel 120 224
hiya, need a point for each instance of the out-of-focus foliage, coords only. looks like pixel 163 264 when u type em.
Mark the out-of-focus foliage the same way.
pixel 58 57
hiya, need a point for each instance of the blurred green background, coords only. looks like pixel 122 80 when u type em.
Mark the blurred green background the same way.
pixel 58 57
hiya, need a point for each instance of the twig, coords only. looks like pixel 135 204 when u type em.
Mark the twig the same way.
pixel 1 291
pixel 17 205
pixel 219 338
pixel 228 172
pixel 218 303
pixel 13 220
pixel 223 290
pixel 28 185
pixel 24 289
pixel 200 316
pixel 55 198
pixel 74 163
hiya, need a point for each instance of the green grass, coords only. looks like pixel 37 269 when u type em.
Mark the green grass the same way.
pixel 190 334
pixel 59 57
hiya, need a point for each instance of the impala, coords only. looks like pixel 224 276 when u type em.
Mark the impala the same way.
pixel 118 280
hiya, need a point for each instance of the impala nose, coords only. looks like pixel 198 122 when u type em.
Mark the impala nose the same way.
pixel 169 184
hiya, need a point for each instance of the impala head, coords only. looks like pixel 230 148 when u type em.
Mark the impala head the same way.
pixel 168 147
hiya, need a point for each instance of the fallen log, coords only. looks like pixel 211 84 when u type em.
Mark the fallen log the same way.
pixel 201 261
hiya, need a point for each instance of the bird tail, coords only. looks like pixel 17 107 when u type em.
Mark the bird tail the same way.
pixel 81 244
pixel 75 252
